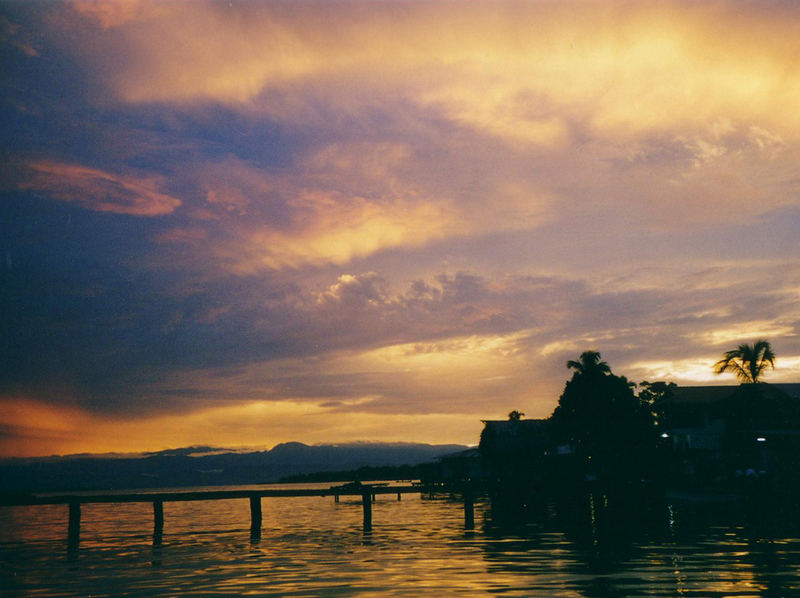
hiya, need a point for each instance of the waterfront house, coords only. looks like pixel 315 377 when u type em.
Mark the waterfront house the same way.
pixel 462 466
pixel 515 439
pixel 718 433
pixel 517 455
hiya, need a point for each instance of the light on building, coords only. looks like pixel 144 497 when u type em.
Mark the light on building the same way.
pixel 665 435
pixel 761 439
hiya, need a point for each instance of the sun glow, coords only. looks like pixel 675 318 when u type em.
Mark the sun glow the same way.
pixel 682 371
pixel 464 354
pixel 46 429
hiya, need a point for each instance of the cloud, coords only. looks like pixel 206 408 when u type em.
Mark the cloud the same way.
pixel 116 13
pixel 342 202
pixel 514 69
pixel 352 358
pixel 337 229
pixel 98 190
pixel 11 34
pixel 471 339
pixel 702 97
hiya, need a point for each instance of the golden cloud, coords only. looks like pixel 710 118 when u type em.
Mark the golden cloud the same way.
pixel 743 332
pixel 514 69
pixel 99 190
pixel 345 201
pixel 333 228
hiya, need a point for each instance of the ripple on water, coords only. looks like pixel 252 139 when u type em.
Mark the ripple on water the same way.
pixel 313 547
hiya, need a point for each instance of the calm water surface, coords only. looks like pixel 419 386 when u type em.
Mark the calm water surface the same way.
pixel 316 547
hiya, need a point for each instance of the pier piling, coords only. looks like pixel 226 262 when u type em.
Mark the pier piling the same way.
pixel 469 510
pixel 74 531
pixel 158 522
pixel 366 502
pixel 255 516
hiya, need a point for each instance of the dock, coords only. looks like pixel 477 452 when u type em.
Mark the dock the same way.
pixel 367 492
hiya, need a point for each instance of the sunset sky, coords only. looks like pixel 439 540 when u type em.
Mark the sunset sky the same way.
pixel 242 223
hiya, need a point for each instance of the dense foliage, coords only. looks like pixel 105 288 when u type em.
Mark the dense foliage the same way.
pixel 600 416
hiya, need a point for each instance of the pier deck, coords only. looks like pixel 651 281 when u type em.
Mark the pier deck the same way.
pixel 367 492
pixel 186 495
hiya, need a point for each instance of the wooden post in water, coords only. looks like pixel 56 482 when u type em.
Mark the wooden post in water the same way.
pixel 255 516
pixel 335 498
pixel 158 522
pixel 469 509
pixel 366 502
pixel 74 531
pixel 399 496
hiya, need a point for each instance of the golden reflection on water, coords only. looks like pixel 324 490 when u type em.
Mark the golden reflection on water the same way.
pixel 314 546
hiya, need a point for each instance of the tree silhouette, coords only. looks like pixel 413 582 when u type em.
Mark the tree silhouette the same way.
pixel 747 362
pixel 515 416
pixel 652 396
pixel 599 415
pixel 589 364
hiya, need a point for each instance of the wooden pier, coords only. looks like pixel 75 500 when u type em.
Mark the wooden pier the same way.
pixel 367 492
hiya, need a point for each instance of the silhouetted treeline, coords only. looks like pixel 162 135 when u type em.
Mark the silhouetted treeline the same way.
pixel 603 435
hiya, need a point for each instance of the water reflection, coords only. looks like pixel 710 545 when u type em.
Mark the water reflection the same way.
pixel 604 546
pixel 587 545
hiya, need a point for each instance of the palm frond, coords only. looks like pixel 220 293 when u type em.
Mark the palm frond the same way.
pixel 747 362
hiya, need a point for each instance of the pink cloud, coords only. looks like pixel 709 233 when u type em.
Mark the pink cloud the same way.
pixel 111 14
pixel 99 190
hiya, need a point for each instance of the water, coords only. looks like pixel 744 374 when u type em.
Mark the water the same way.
pixel 316 547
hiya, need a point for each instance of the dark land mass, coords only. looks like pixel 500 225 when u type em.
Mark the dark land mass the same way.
pixel 209 466
pixel 366 473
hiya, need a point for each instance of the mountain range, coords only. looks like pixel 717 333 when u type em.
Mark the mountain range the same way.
pixel 205 466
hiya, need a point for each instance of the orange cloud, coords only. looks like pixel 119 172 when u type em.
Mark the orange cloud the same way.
pixel 99 190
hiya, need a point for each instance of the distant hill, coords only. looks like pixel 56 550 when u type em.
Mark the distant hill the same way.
pixel 205 466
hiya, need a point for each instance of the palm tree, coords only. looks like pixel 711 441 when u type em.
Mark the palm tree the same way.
pixel 747 362
pixel 589 364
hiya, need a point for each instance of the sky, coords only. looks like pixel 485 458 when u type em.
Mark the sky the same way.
pixel 242 223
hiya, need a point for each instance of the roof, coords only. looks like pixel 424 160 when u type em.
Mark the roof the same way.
pixel 790 388
pixel 510 424
pixel 695 395
pixel 470 453
pixel 708 395
pixel 757 405
pixel 513 436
